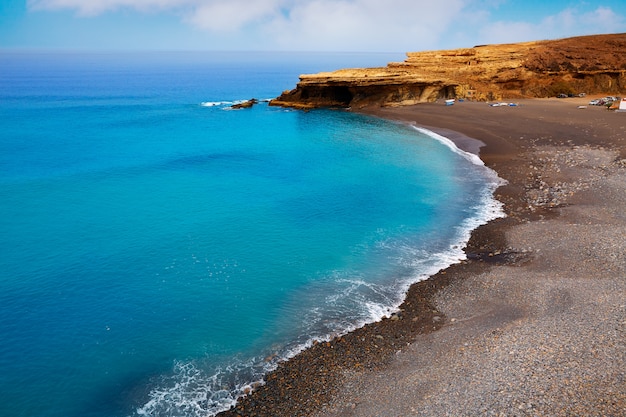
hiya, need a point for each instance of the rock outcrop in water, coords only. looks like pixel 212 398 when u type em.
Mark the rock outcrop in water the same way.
pixel 245 104
pixel 586 64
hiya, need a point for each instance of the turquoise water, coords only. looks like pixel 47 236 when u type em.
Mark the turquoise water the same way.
pixel 158 247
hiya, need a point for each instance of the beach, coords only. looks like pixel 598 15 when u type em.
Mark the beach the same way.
pixel 533 323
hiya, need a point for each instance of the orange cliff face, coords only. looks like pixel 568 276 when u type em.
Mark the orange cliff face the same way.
pixel 585 64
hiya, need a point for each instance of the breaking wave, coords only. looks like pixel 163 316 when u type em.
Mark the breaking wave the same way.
pixel 225 104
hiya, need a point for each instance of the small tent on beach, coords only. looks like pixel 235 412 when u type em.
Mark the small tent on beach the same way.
pixel 622 104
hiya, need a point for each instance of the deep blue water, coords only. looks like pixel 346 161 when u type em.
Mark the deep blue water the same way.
pixel 156 247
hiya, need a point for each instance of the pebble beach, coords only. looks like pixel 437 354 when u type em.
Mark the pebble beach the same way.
pixel 533 323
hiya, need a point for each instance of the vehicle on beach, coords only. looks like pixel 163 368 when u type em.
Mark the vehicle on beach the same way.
pixel 604 101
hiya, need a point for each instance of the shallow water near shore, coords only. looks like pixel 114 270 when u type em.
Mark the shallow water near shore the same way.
pixel 162 252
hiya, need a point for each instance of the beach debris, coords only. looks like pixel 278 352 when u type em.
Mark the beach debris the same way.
pixel 503 104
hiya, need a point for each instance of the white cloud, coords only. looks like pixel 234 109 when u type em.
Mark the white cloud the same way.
pixel 232 14
pixel 390 25
pixel 372 24
pixel 335 21
pixel 600 20
pixel 604 20
pixel 509 32
pixel 568 22
pixel 96 7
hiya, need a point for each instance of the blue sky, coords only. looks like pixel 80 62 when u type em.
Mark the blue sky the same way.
pixel 298 25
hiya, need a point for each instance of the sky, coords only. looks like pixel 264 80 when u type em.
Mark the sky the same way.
pixel 298 25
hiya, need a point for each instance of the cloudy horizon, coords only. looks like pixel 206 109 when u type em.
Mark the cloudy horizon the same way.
pixel 288 25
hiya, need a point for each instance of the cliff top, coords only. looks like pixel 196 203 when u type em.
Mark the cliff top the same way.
pixel 589 64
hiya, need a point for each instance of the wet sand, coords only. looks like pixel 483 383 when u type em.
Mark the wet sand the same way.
pixel 533 323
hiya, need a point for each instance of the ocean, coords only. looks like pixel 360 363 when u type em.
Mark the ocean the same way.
pixel 161 252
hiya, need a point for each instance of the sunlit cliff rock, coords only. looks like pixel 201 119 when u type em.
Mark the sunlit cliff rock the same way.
pixel 586 64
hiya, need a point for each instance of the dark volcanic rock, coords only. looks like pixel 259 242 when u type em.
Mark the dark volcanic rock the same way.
pixel 245 105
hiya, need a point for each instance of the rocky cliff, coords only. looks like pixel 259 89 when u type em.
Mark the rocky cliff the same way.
pixel 585 64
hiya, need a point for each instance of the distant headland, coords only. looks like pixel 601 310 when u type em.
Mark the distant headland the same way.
pixel 585 64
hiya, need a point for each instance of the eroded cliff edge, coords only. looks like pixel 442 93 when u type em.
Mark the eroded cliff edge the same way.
pixel 584 64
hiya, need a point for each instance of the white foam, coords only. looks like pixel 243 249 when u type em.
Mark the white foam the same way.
pixel 216 103
pixel 474 159
pixel 191 392
pixel 229 103
pixel 377 311
pixel 490 208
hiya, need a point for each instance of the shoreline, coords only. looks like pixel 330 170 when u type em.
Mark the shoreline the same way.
pixel 555 157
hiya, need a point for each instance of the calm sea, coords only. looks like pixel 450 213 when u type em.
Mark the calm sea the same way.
pixel 160 252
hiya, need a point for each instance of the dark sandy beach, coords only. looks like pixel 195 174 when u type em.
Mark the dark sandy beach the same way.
pixel 533 323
